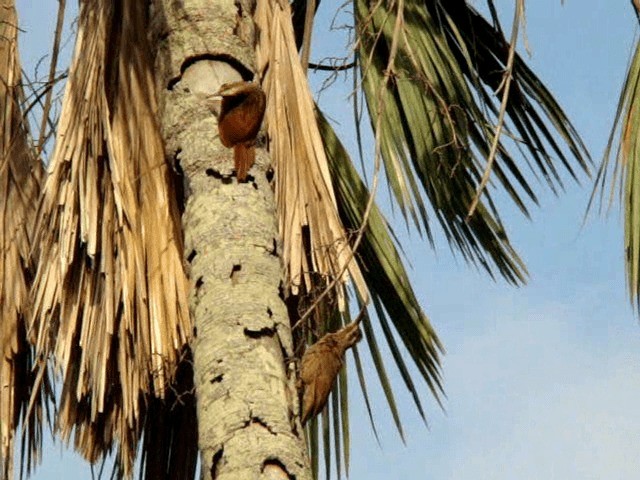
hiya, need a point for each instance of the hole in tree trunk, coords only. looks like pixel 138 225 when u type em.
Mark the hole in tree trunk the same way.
pixel 276 468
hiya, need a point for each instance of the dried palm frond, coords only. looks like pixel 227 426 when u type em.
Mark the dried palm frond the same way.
pixel 110 304
pixel 20 179
pixel 316 251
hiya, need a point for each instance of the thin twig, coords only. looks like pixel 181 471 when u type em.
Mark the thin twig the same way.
pixel 506 84
pixel 52 74
pixel 37 97
pixel 332 68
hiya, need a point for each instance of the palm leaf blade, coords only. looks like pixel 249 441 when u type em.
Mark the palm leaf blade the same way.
pixel 431 74
pixel 621 172
pixel 387 281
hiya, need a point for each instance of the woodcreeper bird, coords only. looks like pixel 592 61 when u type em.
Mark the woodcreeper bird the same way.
pixel 320 366
pixel 239 120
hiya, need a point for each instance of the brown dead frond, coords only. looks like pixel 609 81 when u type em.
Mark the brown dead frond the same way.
pixel 110 291
pixel 20 177
pixel 315 243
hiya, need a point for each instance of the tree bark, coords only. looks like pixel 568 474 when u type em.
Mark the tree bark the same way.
pixel 248 414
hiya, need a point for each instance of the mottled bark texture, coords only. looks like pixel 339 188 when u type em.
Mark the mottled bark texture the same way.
pixel 247 405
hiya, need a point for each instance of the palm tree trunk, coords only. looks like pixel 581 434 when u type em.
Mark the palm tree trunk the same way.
pixel 246 398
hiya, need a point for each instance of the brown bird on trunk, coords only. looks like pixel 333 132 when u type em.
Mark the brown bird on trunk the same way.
pixel 320 366
pixel 239 120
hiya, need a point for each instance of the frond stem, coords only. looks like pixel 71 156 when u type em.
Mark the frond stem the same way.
pixel 331 68
pixel 506 85
pixel 306 38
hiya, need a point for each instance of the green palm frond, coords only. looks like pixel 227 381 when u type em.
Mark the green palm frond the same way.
pixel 384 272
pixel 433 74
pixel 393 298
pixel 622 172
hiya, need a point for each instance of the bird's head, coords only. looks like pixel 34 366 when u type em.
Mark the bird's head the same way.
pixel 235 89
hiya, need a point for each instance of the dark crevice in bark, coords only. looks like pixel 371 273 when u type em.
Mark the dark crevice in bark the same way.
pixel 178 179
pixel 263 332
pixel 172 83
pixel 191 255
pixel 199 282
pixel 212 172
pixel 262 423
pixel 286 355
pixel 293 419
pixel 270 174
pixel 238 26
pixel 217 378
pixel 274 248
pixel 235 273
pixel 215 461
pixel 250 179
pixel 238 5
pixel 269 312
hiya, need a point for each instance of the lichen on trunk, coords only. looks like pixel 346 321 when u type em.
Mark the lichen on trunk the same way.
pixel 248 414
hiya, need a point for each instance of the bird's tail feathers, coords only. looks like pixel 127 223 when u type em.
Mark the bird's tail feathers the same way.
pixel 244 156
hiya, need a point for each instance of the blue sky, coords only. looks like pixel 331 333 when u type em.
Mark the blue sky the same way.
pixel 541 381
